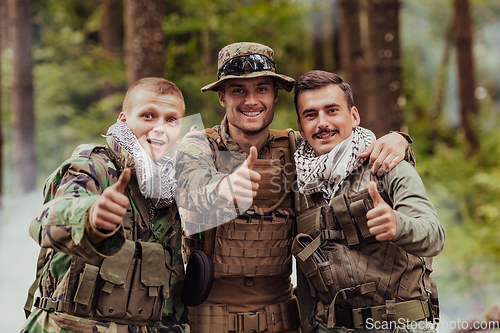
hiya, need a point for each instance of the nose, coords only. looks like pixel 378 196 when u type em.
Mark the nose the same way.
pixel 322 121
pixel 159 126
pixel 251 98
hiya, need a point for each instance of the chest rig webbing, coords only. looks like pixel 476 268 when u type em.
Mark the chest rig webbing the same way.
pixel 352 275
pixel 257 242
pixel 129 288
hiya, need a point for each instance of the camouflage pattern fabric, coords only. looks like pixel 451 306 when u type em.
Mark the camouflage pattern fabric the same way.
pixel 245 48
pixel 239 49
pixel 197 165
pixel 60 227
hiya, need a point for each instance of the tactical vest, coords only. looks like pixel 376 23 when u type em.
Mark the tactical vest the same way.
pixel 352 275
pixel 257 242
pixel 129 288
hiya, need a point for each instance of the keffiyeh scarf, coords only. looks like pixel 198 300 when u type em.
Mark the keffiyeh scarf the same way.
pixel 156 180
pixel 327 172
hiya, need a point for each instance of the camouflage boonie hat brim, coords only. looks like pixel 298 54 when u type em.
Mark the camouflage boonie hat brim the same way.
pixel 244 48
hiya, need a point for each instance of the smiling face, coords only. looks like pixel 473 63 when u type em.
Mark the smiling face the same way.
pixel 249 104
pixel 155 120
pixel 324 117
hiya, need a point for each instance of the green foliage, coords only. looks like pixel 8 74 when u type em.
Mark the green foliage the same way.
pixel 70 69
pixel 196 30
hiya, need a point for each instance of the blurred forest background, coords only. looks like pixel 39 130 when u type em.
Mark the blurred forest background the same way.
pixel 427 67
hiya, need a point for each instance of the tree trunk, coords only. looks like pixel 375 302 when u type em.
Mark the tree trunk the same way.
pixel 466 77
pixel 318 40
pixel 2 8
pixel 110 39
pixel 144 40
pixel 351 56
pixel 25 163
pixel 385 113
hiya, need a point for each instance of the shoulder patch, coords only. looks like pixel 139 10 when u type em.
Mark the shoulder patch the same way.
pixel 192 149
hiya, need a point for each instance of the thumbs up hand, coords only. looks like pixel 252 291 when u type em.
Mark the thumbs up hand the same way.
pixel 381 219
pixel 244 183
pixel 108 211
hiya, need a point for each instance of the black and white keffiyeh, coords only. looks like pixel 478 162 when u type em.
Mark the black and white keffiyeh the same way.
pixel 326 173
pixel 156 180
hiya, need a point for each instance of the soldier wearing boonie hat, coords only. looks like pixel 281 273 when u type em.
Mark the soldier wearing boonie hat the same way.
pixel 251 253
pixel 248 60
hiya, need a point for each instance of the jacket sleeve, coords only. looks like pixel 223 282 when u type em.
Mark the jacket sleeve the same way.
pixel 419 231
pixel 68 195
pixel 198 177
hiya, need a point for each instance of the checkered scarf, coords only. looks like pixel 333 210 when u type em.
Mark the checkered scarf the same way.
pixel 326 173
pixel 156 180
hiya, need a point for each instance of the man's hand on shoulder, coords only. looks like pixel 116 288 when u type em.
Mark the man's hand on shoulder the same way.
pixel 107 212
pixel 241 186
pixel 381 219
pixel 385 153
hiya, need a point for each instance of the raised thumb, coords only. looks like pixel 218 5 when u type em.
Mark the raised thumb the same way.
pixel 123 180
pixel 252 157
pixel 373 190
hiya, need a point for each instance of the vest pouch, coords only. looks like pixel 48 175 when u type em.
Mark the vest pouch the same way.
pixel 271 185
pixel 313 263
pixel 116 275
pixel 311 222
pixel 150 283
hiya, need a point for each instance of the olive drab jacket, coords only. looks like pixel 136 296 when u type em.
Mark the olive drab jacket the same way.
pixel 351 278
pixel 129 280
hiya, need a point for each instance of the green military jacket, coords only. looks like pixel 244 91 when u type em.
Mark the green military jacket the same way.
pixel 60 227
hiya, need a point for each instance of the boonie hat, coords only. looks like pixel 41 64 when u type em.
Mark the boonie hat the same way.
pixel 247 60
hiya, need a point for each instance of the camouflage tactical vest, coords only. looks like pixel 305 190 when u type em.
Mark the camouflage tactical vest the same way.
pixel 353 276
pixel 129 288
pixel 257 242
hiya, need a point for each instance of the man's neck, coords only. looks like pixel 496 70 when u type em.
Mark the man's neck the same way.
pixel 245 140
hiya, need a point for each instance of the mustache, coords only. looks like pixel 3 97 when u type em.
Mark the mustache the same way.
pixel 324 130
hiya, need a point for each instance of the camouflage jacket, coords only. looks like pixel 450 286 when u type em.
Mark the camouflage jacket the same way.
pixel 60 227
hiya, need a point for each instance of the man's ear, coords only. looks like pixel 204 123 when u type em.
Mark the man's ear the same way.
pixel 122 117
pixel 222 98
pixel 356 119
pixel 275 94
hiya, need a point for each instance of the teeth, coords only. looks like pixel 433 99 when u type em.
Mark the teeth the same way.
pixel 325 136
pixel 152 141
pixel 251 113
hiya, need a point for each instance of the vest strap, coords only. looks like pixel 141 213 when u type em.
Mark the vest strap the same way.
pixel 276 318
pixel 254 235
pixel 251 252
pixel 412 310
pixel 227 269
pixel 49 304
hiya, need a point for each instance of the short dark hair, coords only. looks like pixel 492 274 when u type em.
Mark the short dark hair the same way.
pixel 157 85
pixel 317 79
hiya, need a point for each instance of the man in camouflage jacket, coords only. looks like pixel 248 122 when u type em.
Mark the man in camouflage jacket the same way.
pixel 117 268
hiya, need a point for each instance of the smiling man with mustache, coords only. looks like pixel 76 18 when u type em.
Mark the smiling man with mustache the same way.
pixel 362 239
